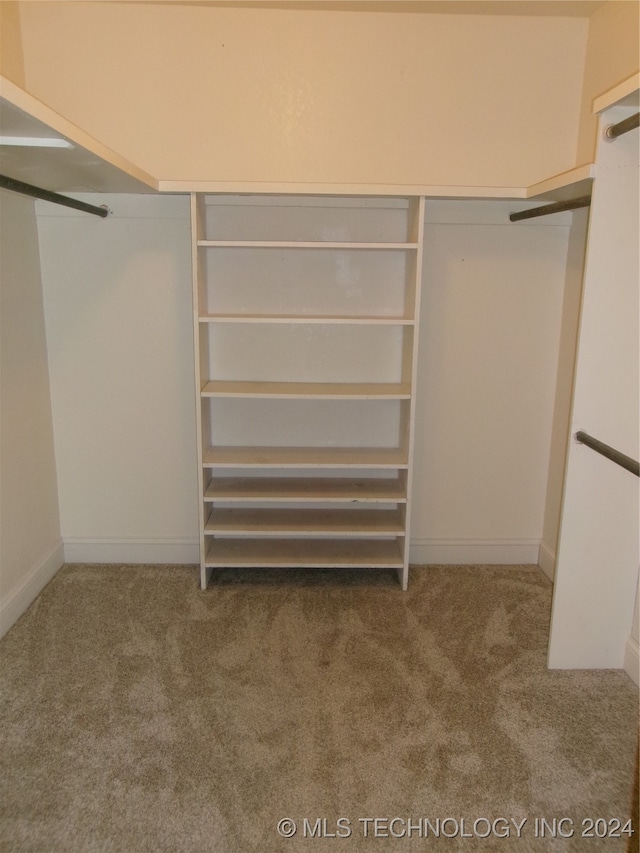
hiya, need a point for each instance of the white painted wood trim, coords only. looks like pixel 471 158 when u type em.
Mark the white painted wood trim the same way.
pixel 151 551
pixel 616 94
pixel 299 188
pixel 410 371
pixel 12 608
pixel 554 182
pixel 306 244
pixel 446 191
pixel 307 319
pixel 306 202
pixel 547 560
pixel 577 181
pixel 466 552
pixel 632 660
pixel 307 390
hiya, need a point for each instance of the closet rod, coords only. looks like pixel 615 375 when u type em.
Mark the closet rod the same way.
pixel 36 192
pixel 555 207
pixel 624 126
pixel 605 450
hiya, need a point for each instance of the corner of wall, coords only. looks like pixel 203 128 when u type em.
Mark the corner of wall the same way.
pixel 17 602
pixel 31 545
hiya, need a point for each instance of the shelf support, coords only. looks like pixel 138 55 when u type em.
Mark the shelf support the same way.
pixel 624 126
pixel 46 195
pixel 555 207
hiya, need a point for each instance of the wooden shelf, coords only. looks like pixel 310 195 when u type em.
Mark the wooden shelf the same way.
pixel 305 522
pixel 346 191
pixel 337 508
pixel 572 184
pixel 623 94
pixel 308 489
pixel 308 390
pixel 306 457
pixel 301 319
pixel 305 553
pixel 303 244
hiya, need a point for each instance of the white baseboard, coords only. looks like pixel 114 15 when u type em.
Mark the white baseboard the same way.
pixel 153 551
pixel 12 608
pixel 632 660
pixel 466 552
pixel 547 560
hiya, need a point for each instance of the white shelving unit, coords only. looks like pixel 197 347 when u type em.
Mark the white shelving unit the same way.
pixel 306 330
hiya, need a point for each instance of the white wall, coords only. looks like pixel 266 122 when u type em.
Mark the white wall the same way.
pixel 118 308
pixel 597 567
pixel 30 545
pixel 196 93
pixel 491 314
pixel 117 295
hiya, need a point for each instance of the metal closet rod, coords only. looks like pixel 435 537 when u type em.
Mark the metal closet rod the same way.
pixel 555 207
pixel 624 126
pixel 36 192
pixel 605 450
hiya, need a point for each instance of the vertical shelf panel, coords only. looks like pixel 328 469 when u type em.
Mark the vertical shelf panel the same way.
pixel 203 426
pixel 414 286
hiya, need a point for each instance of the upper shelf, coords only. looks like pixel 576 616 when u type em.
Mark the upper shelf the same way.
pixel 453 191
pixel 625 94
pixel 568 185
pixel 578 182
pixel 556 188
pixel 88 166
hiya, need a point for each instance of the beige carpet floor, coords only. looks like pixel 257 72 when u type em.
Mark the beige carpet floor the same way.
pixel 140 714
